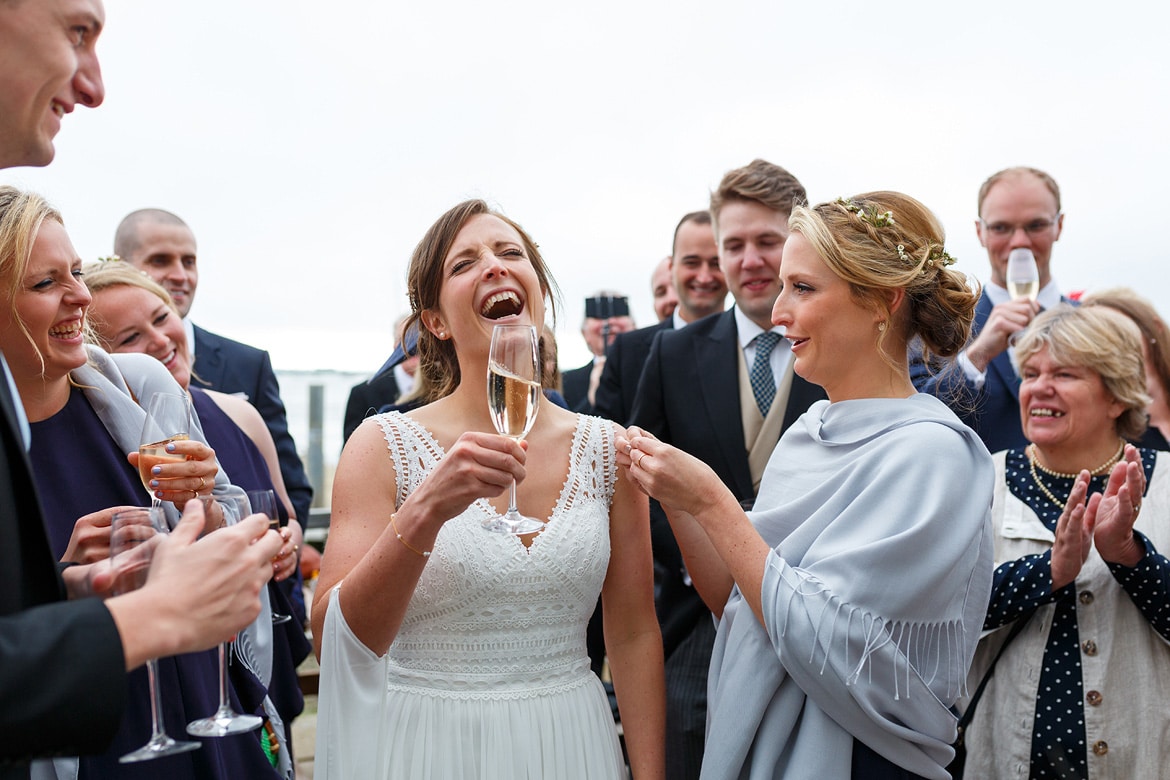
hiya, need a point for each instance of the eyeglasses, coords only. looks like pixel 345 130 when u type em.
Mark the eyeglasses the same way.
pixel 1034 228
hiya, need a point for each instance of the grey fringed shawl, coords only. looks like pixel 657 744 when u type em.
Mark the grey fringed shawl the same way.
pixel 878 511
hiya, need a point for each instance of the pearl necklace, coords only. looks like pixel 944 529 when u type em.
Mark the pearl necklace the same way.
pixel 1033 464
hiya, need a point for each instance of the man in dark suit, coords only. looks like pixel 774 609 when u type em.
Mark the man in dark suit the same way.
pixel 722 389
pixel 393 380
pixel 63 662
pixel 602 324
pixel 163 246
pixel 1019 208
pixel 700 291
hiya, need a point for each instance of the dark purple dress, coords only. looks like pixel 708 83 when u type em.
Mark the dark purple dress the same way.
pixel 245 466
pixel 79 469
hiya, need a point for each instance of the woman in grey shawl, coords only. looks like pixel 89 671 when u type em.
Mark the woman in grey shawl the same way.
pixel 849 602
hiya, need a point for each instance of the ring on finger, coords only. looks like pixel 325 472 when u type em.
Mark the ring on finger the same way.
pixel 202 484
pixel 641 457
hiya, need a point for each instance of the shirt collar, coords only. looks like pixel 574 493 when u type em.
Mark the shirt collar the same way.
pixel 748 330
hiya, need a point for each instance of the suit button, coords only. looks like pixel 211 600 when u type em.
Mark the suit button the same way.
pixel 1086 597
pixel 1089 646
pixel 1093 697
pixel 1100 748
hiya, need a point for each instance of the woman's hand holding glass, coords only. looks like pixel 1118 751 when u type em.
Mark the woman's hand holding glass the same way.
pixel 188 473
pixel 90 540
pixel 478 465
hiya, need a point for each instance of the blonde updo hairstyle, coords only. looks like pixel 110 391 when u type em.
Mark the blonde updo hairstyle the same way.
pixel 1105 342
pixel 883 241
pixel 438 365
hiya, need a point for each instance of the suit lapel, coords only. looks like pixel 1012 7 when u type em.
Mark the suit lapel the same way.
pixel 716 363
pixel 209 365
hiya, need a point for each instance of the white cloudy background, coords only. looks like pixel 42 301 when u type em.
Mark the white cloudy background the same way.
pixel 310 144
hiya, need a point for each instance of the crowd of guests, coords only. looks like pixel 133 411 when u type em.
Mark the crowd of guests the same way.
pixel 803 534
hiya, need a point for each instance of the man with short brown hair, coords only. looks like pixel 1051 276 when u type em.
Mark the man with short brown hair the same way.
pixel 722 389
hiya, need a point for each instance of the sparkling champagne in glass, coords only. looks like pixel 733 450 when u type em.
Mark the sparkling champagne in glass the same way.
pixel 1023 278
pixel 513 399
pixel 168 419
pixel 133 534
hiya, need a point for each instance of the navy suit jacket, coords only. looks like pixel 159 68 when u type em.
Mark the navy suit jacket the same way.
pixel 231 367
pixel 688 396
pixel 575 388
pixel 366 398
pixel 992 411
pixel 624 360
pixel 62 670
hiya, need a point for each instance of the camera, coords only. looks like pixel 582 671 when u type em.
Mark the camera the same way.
pixel 603 307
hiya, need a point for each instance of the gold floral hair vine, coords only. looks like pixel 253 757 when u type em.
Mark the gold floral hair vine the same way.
pixel 110 259
pixel 940 256
pixel 882 220
pixel 937 257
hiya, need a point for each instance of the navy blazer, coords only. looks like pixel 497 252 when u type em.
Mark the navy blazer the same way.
pixel 992 411
pixel 623 368
pixel 62 669
pixel 575 388
pixel 366 398
pixel 231 367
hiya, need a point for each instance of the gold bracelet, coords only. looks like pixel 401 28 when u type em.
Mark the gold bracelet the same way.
pixel 406 544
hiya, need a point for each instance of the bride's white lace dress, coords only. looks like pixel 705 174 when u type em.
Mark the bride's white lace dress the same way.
pixel 488 675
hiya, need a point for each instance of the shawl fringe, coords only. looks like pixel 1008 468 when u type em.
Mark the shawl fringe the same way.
pixel 922 646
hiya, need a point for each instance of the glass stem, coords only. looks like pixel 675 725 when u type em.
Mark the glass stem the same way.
pixel 223 687
pixel 512 499
pixel 155 700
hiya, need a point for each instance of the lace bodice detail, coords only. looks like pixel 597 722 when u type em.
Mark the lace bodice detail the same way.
pixel 489 614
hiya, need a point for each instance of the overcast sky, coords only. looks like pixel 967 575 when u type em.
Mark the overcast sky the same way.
pixel 310 144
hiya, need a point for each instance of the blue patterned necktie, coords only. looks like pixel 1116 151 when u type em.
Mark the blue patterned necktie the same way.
pixel 763 381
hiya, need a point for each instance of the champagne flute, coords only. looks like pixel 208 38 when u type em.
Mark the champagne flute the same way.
pixel 513 398
pixel 1023 278
pixel 225 720
pixel 168 419
pixel 133 535
pixel 264 502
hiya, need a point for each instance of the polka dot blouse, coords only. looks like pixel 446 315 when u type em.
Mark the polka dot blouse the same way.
pixel 1058 735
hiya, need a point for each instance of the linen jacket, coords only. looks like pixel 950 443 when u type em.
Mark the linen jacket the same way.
pixel 1128 732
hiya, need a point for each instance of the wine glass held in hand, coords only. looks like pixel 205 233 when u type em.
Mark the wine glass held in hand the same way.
pixel 225 720
pixel 513 399
pixel 133 536
pixel 168 419
pixel 264 502
pixel 1023 278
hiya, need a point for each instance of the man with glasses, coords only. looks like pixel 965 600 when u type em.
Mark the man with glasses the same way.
pixel 1019 208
